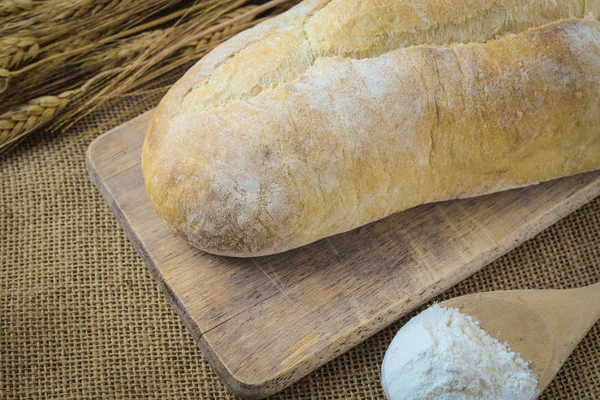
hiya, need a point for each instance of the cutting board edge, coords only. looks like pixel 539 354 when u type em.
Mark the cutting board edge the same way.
pixel 190 325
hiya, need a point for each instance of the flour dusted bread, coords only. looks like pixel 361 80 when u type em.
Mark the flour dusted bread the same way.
pixel 338 113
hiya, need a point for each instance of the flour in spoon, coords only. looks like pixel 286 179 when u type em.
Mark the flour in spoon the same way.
pixel 444 354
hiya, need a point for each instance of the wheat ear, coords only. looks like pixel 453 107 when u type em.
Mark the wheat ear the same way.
pixel 125 51
pixel 17 123
pixel 17 50
pixel 11 7
pixel 90 8
pixel 130 49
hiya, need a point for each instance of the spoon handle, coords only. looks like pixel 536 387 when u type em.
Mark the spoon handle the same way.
pixel 591 294
pixel 569 315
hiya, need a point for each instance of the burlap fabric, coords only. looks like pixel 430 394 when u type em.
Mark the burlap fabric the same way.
pixel 81 317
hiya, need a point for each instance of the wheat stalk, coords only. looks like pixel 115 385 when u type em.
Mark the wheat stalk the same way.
pixel 96 18
pixel 81 41
pixel 39 14
pixel 90 7
pixel 117 66
pixel 16 124
pixel 17 50
pixel 57 47
pixel 125 51
pixel 11 7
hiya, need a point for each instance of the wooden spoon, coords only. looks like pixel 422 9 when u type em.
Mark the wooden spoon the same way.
pixel 544 326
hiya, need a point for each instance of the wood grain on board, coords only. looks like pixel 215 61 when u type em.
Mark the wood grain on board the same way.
pixel 265 322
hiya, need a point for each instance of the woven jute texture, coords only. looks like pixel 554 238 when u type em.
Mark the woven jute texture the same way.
pixel 81 318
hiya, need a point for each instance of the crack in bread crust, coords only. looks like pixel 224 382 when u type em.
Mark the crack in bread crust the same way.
pixel 324 33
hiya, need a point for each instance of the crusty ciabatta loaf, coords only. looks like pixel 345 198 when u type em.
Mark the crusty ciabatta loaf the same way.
pixel 338 113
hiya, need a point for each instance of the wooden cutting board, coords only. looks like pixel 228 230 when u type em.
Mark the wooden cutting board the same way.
pixel 265 322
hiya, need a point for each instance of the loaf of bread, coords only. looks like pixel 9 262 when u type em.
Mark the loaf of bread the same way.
pixel 339 113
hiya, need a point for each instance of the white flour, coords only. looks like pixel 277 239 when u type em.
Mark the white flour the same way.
pixel 443 354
